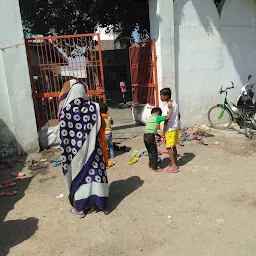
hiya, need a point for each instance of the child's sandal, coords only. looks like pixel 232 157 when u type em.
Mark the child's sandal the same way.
pixel 133 161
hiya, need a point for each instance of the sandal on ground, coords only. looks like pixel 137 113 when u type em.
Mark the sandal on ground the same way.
pixel 7 185
pixel 169 170
pixel 110 164
pixel 135 152
pixel 141 153
pixel 133 161
pixel 172 171
pixel 79 216
pixel 8 193
pixel 11 180
pixel 18 174
pixel 56 163
pixel 53 161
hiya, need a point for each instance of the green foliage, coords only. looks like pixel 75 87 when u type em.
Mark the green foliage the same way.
pixel 81 16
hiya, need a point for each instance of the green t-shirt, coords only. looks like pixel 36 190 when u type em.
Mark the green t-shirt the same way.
pixel 153 122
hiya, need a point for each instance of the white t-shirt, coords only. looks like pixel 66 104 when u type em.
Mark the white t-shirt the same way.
pixel 173 123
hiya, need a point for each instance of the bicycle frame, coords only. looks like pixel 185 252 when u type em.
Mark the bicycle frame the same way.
pixel 224 106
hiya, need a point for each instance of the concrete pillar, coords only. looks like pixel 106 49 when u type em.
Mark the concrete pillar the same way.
pixel 18 116
pixel 162 29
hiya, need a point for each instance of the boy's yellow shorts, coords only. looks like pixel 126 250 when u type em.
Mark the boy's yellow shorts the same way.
pixel 172 138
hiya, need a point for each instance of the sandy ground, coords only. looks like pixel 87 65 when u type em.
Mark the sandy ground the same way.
pixel 209 208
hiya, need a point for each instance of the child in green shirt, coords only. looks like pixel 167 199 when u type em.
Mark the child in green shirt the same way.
pixel 151 129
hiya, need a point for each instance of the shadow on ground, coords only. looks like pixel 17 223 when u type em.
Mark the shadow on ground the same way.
pixel 120 189
pixel 119 150
pixel 13 232
pixel 184 159
pixel 127 126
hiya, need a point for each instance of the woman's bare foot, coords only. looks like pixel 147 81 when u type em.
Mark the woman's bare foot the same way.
pixel 76 212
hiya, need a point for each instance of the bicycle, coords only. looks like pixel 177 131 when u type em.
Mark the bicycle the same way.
pixel 250 124
pixel 228 112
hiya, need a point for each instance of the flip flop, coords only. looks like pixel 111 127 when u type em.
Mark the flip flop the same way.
pixel 56 163
pixel 53 161
pixel 11 180
pixel 169 170
pixel 133 161
pixel 79 216
pixel 110 164
pixel 6 185
pixel 172 171
pixel 18 174
pixel 8 193
pixel 145 153
pixel 142 152
pixel 135 152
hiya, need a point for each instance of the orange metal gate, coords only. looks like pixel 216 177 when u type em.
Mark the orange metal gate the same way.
pixel 144 73
pixel 54 60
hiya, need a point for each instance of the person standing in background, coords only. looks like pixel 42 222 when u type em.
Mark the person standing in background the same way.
pixel 108 130
pixel 123 89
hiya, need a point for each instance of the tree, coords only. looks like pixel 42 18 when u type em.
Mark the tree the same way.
pixel 81 16
pixel 123 15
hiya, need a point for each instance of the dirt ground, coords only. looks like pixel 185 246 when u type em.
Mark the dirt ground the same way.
pixel 208 208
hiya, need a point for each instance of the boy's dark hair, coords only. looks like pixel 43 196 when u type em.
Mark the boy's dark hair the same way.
pixel 103 108
pixel 166 92
pixel 156 110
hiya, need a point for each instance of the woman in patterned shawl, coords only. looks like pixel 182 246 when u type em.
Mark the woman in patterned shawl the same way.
pixel 83 150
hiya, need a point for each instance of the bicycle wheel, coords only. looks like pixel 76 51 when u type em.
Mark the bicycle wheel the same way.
pixel 249 127
pixel 220 118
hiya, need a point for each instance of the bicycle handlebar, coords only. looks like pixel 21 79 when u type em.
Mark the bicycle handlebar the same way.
pixel 228 88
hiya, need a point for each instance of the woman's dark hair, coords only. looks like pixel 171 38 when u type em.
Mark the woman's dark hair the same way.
pixel 103 108
pixel 156 110
pixel 166 92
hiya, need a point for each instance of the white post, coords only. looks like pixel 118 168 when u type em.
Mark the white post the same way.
pixel 19 116
pixel 162 29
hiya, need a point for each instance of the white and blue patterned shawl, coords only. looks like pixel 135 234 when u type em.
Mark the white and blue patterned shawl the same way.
pixel 82 158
